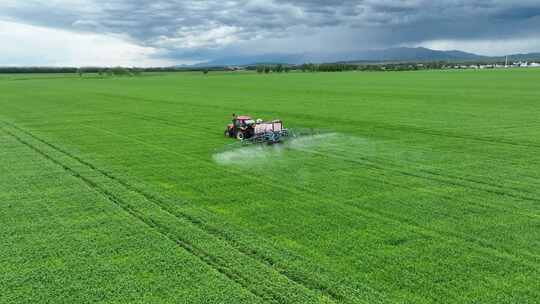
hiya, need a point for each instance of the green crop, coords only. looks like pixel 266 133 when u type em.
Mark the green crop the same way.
pixel 412 187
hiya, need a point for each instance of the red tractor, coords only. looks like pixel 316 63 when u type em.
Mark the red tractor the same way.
pixel 245 128
pixel 241 127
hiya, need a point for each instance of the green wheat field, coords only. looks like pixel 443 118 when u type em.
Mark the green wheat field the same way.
pixel 413 187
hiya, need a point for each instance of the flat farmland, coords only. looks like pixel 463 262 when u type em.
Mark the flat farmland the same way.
pixel 412 187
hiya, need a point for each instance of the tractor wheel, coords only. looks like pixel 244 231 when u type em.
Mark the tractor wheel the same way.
pixel 240 135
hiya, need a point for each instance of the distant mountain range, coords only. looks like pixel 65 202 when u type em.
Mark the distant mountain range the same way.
pixel 415 54
pixel 401 54
pixel 257 59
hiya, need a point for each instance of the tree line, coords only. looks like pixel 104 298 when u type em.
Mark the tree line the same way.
pixel 340 67
pixel 118 71
pixel 121 71
pixel 360 66
pixel 260 68
pixel 33 70
pixel 275 68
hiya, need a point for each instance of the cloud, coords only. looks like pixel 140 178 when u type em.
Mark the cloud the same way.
pixel 39 46
pixel 193 37
pixel 194 29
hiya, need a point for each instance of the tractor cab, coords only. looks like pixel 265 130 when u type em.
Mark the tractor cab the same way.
pixel 242 121
pixel 241 127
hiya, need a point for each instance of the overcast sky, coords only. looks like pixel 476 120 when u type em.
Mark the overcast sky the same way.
pixel 166 32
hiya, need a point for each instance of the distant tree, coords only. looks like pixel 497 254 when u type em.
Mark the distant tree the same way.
pixel 279 68
pixel 120 71
pixel 267 69
pixel 260 69
pixel 205 71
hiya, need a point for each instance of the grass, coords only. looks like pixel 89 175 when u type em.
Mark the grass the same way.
pixel 421 189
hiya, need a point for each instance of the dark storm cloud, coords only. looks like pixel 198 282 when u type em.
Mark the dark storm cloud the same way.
pixel 195 28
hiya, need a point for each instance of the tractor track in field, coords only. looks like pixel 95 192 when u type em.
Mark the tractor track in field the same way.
pixel 448 197
pixel 492 140
pixel 534 258
pixel 377 163
pixel 483 245
pixel 382 160
pixel 413 129
pixel 496 207
pixel 439 233
pixel 212 261
pixel 437 177
pixel 464 179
